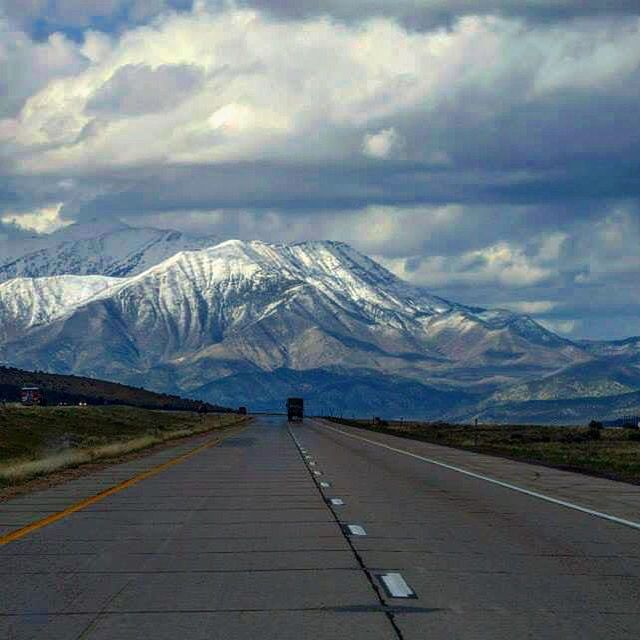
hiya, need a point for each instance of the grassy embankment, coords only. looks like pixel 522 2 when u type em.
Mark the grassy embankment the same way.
pixel 611 453
pixel 37 441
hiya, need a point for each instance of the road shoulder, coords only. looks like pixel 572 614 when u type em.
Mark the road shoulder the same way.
pixel 619 499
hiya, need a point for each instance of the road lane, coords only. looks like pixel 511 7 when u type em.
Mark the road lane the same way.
pixel 485 562
pixel 241 541
pixel 235 542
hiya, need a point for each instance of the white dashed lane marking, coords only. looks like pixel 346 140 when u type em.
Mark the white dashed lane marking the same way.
pixel 396 586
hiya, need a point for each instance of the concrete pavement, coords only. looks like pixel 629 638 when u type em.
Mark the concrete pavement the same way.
pixel 236 542
pixel 241 541
pixel 485 562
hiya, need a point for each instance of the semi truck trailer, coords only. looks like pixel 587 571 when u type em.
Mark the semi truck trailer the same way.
pixel 295 409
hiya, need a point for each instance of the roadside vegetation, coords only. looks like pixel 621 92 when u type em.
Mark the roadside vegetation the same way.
pixel 611 453
pixel 36 441
pixel 69 390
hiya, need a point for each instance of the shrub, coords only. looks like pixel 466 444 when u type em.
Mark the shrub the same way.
pixel 595 434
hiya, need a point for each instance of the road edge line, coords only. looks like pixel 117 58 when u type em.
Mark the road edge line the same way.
pixel 500 483
pixel 17 534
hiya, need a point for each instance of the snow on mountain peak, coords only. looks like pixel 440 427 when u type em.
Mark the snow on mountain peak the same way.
pixel 28 302
pixel 97 248
pixel 335 269
pixel 190 313
pixel 183 269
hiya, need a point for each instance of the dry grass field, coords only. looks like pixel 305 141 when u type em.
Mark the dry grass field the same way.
pixel 612 453
pixel 35 441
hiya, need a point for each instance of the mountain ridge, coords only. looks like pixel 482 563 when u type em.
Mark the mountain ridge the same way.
pixel 95 248
pixel 208 317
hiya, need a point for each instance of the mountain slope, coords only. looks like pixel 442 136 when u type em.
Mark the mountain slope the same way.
pixel 594 379
pixel 29 302
pixel 560 411
pixel 629 348
pixel 73 389
pixel 247 308
pixel 95 248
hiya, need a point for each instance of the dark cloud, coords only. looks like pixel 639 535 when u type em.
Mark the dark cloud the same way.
pixel 43 17
pixel 428 14
pixel 295 188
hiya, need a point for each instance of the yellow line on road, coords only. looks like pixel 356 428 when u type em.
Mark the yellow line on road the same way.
pixel 87 502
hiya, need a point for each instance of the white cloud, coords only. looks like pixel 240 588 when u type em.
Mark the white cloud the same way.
pixel 390 231
pixel 532 307
pixel 135 90
pixel 566 327
pixel 27 66
pixel 501 264
pixel 45 220
pixel 573 61
pixel 375 230
pixel 382 144
pixel 609 249
pixel 313 91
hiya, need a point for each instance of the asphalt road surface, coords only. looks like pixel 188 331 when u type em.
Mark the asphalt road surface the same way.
pixel 241 540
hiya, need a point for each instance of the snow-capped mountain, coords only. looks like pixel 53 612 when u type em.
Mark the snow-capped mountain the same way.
pixel 29 302
pixel 314 317
pixel 94 248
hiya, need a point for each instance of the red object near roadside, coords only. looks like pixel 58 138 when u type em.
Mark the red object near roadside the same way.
pixel 31 396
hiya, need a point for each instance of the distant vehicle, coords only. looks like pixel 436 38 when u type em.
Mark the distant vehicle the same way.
pixel 242 411
pixel 295 409
pixel 30 396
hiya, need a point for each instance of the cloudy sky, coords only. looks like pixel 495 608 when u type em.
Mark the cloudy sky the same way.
pixel 486 149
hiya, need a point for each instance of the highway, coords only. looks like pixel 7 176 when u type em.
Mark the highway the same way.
pixel 314 532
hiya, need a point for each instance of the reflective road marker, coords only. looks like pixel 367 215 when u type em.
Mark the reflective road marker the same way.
pixel 355 530
pixel 396 586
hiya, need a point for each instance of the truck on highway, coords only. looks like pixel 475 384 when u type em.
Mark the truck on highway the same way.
pixel 295 409
pixel 30 396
